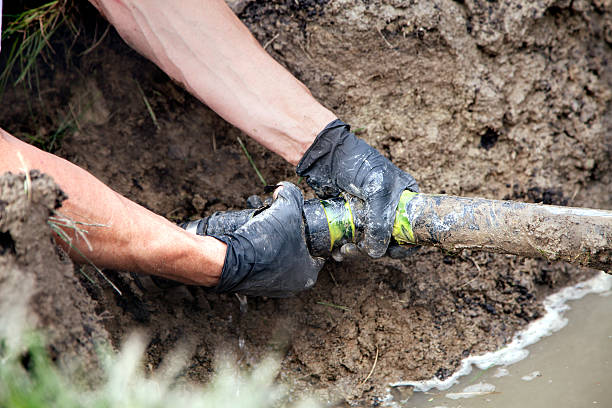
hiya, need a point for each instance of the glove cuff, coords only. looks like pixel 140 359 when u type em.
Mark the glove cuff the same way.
pixel 235 267
pixel 317 164
pixel 321 145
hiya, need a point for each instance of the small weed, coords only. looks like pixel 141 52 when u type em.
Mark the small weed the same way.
pixel 27 184
pixel 148 105
pixel 58 222
pixel 339 307
pixel 53 141
pixel 248 156
pixel 359 130
pixel 31 31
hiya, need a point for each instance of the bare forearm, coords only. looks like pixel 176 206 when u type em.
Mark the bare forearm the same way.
pixel 203 45
pixel 130 236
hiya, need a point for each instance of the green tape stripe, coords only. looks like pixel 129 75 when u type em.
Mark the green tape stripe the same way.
pixel 402 230
pixel 340 222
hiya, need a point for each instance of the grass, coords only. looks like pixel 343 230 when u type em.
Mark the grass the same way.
pixel 58 222
pixel 27 183
pixel 339 307
pixel 28 36
pixel 28 378
pixel 31 31
pixel 250 159
pixel 53 141
pixel 148 105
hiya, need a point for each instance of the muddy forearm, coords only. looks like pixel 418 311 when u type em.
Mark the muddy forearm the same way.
pixel 204 46
pixel 130 236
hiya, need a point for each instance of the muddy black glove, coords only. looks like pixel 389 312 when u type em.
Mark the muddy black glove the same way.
pixel 268 255
pixel 339 161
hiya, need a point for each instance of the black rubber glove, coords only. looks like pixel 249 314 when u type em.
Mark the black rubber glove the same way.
pixel 339 161
pixel 268 255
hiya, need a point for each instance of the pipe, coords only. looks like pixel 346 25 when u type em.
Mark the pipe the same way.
pixel 577 235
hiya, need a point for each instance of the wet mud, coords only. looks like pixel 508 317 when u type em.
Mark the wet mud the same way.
pixel 39 288
pixel 504 100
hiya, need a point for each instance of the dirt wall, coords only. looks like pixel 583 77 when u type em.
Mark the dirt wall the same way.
pixel 38 286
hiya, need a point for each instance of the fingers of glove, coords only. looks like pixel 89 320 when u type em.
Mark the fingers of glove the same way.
pixel 317 264
pixel 346 251
pixel 411 183
pixel 268 255
pixel 381 207
pixel 254 201
pixel 323 188
pixel 380 213
pixel 282 218
pixel 289 192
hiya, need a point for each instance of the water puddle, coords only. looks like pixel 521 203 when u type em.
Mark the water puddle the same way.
pixel 540 368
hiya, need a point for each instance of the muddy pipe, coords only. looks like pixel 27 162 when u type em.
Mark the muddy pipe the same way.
pixel 576 235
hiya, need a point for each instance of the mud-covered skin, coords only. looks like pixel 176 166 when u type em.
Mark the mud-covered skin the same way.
pixel 268 255
pixel 339 161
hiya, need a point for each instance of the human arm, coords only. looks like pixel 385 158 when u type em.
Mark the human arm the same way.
pixel 204 46
pixel 266 256
pixel 131 237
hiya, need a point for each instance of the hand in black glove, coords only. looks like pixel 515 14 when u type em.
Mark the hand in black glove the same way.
pixel 268 255
pixel 339 161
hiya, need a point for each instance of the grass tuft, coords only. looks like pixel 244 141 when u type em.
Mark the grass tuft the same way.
pixel 27 183
pixel 339 307
pixel 250 159
pixel 58 222
pixel 31 31
pixel 148 105
pixel 28 378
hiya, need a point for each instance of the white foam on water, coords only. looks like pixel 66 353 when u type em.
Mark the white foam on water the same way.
pixel 501 372
pixel 552 321
pixel 531 376
pixel 472 391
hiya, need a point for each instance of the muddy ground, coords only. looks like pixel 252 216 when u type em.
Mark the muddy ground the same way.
pixel 504 100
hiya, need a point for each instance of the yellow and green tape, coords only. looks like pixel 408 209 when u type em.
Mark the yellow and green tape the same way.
pixel 340 222
pixel 402 229
pixel 342 226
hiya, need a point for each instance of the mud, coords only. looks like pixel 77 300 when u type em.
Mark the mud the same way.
pixel 493 99
pixel 38 286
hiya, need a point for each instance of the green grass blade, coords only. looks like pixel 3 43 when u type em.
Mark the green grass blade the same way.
pixel 248 156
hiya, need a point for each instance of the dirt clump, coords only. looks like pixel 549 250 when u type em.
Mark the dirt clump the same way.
pixel 503 100
pixel 38 286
